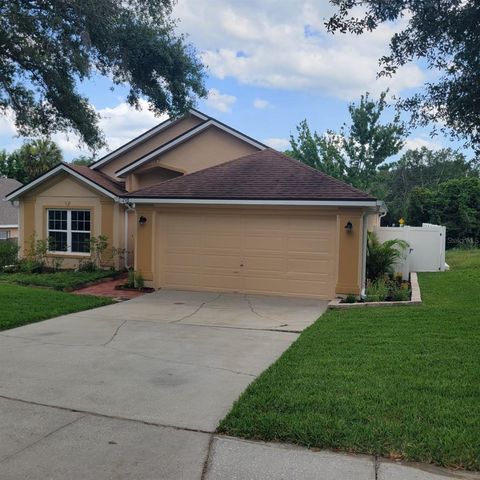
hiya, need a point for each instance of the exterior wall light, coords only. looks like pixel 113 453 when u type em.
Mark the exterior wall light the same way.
pixel 349 227
pixel 142 220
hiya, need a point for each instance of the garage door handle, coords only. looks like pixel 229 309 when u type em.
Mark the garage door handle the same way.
pixel 241 264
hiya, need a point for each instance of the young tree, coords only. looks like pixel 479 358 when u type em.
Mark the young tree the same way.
pixel 322 152
pixel 30 160
pixel 356 153
pixel 443 33
pixel 367 142
pixel 47 47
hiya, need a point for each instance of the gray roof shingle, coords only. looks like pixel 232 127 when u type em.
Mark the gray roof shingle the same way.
pixel 263 175
pixel 8 212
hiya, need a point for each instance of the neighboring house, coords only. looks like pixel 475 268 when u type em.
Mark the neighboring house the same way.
pixel 8 212
pixel 205 207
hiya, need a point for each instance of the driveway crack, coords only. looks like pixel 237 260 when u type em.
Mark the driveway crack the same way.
pixel 115 333
pixel 167 360
pixel 197 309
pixel 40 439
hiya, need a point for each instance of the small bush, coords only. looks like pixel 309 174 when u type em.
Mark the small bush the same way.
pixel 87 265
pixel 130 279
pixel 8 253
pixel 350 298
pixel 139 281
pixel 400 294
pixel 377 290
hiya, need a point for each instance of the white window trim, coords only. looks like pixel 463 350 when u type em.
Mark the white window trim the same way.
pixel 69 231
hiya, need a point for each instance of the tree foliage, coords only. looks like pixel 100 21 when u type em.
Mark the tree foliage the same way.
pixel 422 168
pixel 30 160
pixel 48 47
pixel 455 204
pixel 445 35
pixel 356 153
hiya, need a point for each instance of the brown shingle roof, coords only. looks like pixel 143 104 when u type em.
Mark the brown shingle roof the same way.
pixel 117 188
pixel 263 175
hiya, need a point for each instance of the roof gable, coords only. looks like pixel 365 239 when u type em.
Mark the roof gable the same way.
pixel 143 138
pixel 264 175
pixel 96 180
pixel 184 137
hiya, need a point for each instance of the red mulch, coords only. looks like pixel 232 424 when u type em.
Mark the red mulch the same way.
pixel 107 289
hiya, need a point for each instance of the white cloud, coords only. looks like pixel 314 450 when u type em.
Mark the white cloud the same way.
pixel 277 143
pixel 284 45
pixel 220 101
pixel 260 104
pixel 419 142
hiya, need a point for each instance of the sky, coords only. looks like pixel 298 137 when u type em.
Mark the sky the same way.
pixel 270 64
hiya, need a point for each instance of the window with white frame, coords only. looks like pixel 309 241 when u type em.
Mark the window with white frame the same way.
pixel 69 230
pixel 4 234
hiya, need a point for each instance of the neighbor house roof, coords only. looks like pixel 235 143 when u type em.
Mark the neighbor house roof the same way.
pixel 263 175
pixel 8 212
pixel 97 180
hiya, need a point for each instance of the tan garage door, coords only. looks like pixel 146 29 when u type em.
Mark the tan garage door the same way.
pixel 286 254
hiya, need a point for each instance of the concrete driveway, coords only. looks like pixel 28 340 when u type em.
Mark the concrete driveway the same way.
pixel 135 390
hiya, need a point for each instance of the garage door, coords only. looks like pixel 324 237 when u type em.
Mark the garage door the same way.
pixel 292 255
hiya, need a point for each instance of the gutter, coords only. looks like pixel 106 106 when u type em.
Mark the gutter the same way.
pixel 220 201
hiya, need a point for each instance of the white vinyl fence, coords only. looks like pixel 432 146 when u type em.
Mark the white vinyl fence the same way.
pixel 427 246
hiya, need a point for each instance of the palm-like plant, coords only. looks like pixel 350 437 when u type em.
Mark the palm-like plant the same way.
pixel 381 257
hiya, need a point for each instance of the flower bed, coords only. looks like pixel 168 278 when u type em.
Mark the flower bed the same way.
pixel 415 298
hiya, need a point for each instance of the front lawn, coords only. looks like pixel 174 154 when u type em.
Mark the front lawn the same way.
pixel 22 305
pixel 62 280
pixel 401 382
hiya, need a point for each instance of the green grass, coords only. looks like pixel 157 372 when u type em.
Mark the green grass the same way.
pixel 22 305
pixel 58 281
pixel 401 382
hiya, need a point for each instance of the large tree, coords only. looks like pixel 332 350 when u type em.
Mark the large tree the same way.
pixel 47 47
pixel 358 150
pixel 30 160
pixel 442 33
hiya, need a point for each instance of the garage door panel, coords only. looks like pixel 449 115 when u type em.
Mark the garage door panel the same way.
pixel 323 266
pixel 282 254
pixel 264 243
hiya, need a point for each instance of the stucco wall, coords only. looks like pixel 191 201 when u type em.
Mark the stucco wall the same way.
pixel 152 143
pixel 66 192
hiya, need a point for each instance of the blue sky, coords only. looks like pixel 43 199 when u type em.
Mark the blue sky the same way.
pixel 270 65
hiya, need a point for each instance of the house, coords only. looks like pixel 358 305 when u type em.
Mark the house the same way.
pixel 202 206
pixel 8 212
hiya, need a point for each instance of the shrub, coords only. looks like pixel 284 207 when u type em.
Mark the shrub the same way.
pixel 350 298
pixel 139 281
pixel 87 265
pixel 8 253
pixel 467 243
pixel 381 257
pixel 377 290
pixel 400 293
pixel 131 279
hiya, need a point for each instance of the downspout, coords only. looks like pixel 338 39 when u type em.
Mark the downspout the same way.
pixel 128 208
pixel 381 210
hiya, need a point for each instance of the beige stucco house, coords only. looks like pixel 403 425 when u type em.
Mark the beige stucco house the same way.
pixel 202 206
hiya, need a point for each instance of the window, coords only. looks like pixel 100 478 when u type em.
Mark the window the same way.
pixel 69 230
pixel 4 234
